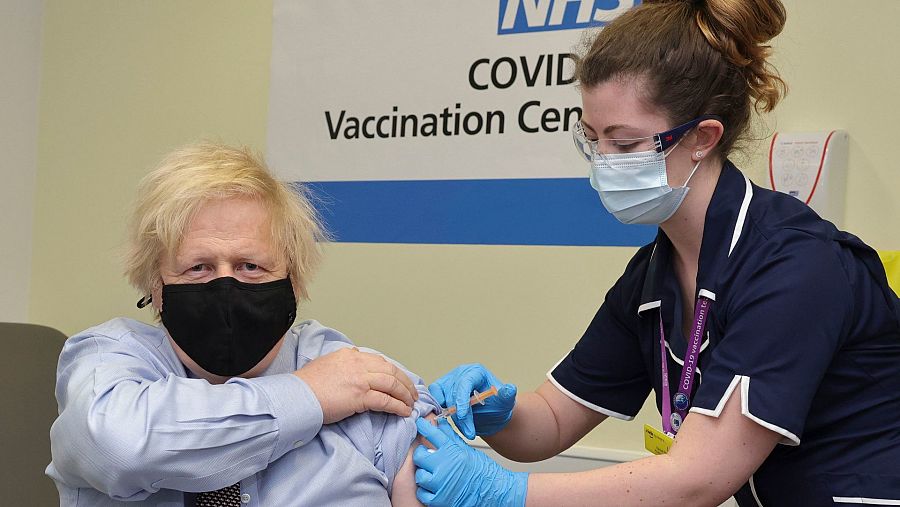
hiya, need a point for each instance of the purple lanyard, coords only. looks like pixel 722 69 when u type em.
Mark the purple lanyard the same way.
pixel 672 421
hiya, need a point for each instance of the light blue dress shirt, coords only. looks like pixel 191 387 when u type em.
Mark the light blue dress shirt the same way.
pixel 135 429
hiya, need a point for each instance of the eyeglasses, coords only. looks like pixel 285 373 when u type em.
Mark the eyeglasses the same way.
pixel 593 148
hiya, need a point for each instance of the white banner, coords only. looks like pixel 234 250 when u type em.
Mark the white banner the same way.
pixel 381 91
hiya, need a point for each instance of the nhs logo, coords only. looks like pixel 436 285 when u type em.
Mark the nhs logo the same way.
pixel 522 16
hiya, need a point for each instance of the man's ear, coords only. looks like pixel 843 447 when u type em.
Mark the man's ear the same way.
pixel 156 293
pixel 295 284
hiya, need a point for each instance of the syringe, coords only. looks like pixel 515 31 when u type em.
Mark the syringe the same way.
pixel 476 398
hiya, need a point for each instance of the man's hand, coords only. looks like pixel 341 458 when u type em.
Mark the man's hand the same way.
pixel 349 381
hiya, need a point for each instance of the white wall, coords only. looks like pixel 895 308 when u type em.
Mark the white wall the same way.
pixel 20 59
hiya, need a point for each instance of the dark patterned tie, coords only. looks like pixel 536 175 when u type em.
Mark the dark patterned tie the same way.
pixel 225 497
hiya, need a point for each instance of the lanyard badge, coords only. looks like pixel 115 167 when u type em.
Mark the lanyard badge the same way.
pixel 671 420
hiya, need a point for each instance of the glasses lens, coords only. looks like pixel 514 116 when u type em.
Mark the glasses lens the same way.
pixel 600 148
pixel 583 145
pixel 592 149
pixel 621 146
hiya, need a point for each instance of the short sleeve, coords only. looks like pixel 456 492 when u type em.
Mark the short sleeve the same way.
pixel 783 324
pixel 606 371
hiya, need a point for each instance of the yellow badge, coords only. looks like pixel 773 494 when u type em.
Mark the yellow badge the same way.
pixel 656 441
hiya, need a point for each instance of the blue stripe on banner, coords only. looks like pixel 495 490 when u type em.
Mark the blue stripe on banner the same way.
pixel 556 211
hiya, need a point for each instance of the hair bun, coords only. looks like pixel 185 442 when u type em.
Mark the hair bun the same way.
pixel 740 29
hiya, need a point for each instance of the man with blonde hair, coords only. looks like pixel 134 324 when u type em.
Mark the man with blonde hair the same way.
pixel 226 402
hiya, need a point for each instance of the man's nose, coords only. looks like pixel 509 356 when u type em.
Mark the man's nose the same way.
pixel 223 270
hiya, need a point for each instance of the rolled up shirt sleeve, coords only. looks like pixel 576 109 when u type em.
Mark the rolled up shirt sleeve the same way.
pixel 129 427
pixel 394 435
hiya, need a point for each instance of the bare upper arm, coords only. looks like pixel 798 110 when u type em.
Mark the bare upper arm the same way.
pixel 403 492
pixel 732 444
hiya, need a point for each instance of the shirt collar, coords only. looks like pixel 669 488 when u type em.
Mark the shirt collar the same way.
pixel 722 225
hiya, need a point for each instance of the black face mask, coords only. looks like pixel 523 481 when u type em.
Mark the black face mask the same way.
pixel 227 326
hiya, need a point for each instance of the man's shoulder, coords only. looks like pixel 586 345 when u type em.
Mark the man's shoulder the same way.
pixel 121 336
pixel 315 339
pixel 119 328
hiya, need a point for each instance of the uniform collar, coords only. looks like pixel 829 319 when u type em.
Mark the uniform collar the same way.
pixel 722 228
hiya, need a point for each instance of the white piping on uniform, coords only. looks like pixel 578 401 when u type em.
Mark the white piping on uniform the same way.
pixel 865 501
pixel 595 408
pixel 707 294
pixel 742 214
pixel 649 306
pixel 753 491
pixel 718 410
pixel 681 361
pixel 789 438
pixel 704 344
pixel 557 363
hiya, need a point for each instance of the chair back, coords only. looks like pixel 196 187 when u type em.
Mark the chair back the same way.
pixel 27 384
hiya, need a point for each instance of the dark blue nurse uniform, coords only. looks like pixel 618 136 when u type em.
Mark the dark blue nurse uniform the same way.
pixel 803 323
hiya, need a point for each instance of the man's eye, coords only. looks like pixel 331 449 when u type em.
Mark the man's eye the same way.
pixel 198 268
pixel 249 266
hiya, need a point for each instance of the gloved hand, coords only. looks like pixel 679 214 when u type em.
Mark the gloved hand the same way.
pixel 455 388
pixel 457 475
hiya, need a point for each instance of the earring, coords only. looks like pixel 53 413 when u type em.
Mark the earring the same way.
pixel 699 154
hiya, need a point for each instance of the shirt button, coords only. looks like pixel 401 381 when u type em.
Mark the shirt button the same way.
pixel 245 498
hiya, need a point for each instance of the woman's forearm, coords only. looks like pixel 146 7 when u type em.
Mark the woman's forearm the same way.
pixel 710 460
pixel 656 480
pixel 531 435
pixel 544 423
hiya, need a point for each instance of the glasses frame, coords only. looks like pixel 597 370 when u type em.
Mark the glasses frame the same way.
pixel 661 140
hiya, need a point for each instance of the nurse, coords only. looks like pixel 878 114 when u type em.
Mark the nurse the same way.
pixel 770 338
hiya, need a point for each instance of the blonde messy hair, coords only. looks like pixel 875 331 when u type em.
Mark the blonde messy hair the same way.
pixel 170 196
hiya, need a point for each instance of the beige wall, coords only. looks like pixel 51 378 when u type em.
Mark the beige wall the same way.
pixel 126 81
pixel 123 83
pixel 20 57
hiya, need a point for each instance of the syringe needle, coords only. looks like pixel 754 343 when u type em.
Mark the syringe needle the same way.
pixel 476 398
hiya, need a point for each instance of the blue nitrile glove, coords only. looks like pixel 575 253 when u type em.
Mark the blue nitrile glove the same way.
pixel 457 475
pixel 455 388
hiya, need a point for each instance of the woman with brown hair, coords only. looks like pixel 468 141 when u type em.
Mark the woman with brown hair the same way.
pixel 770 338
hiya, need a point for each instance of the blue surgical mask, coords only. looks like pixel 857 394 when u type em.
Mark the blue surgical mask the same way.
pixel 634 187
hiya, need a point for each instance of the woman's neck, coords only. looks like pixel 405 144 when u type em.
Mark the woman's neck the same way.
pixel 685 228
